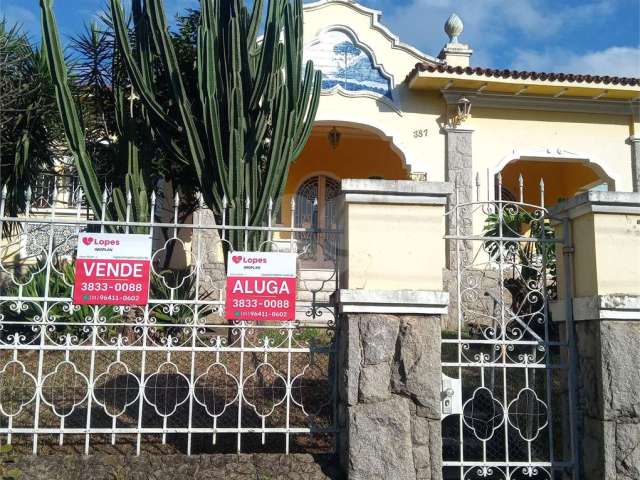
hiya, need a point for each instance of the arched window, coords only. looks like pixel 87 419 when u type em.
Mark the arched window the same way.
pixel 316 203
pixel 316 209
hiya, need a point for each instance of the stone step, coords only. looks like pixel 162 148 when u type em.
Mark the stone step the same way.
pixel 317 285
pixel 307 296
pixel 316 274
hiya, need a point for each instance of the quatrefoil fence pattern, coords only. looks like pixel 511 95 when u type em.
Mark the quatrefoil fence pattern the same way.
pixel 172 373
pixel 514 363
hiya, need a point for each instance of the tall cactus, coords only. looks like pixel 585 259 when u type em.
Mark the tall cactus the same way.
pixel 131 178
pixel 255 103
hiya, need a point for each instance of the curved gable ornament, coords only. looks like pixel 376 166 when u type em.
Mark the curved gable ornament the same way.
pixel 374 19
pixel 348 66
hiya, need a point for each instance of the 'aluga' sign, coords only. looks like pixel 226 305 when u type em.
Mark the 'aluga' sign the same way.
pixel 261 286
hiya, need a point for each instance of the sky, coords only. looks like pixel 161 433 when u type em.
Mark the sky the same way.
pixel 577 36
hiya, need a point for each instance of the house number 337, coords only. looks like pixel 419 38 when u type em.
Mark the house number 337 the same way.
pixel 420 133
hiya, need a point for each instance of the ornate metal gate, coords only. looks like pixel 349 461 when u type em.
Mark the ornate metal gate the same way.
pixel 508 379
pixel 170 376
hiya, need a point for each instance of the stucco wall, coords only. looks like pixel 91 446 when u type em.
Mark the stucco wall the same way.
pixel 498 132
pixel 397 118
pixel 617 243
pixel 606 259
pixel 600 138
pixel 395 247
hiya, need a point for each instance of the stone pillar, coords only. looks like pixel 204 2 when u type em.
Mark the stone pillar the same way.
pixel 458 171
pixel 602 262
pixel 211 253
pixel 634 141
pixel 389 329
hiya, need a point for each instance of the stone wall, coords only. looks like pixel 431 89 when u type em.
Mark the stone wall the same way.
pixel 174 467
pixel 609 386
pixel 389 397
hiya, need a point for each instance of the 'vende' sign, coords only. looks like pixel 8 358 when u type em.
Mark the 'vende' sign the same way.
pixel 261 286
pixel 112 269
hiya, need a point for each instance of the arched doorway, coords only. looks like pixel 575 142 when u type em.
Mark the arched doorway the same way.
pixel 334 151
pixel 316 202
pixel 316 209
pixel 564 174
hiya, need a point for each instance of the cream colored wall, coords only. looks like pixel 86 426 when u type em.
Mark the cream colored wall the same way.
pixel 606 259
pixel 601 138
pixel 585 276
pixel 411 111
pixel 617 243
pixel 498 132
pixel 394 247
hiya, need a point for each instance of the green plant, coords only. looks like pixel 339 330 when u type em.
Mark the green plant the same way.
pixel 57 285
pixel 130 174
pixel 61 278
pixel 7 469
pixel 253 106
pixel 183 283
pixel 528 257
pixel 27 118
pixel 518 223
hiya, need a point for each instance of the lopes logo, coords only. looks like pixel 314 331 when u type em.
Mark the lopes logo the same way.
pixel 239 259
pixel 100 242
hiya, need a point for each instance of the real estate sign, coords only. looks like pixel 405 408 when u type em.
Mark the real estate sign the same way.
pixel 112 269
pixel 261 286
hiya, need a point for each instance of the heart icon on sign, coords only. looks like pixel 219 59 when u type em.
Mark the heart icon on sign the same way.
pixel 87 240
pixel 236 258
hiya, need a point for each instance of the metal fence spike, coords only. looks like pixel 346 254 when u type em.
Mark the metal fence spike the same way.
pixel 521 187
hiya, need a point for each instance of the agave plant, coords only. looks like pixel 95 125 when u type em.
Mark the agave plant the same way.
pixel 57 283
pixel 527 258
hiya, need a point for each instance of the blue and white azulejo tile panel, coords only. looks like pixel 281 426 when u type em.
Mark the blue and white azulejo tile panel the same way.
pixel 346 65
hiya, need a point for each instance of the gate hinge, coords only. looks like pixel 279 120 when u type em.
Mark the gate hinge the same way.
pixel 568 250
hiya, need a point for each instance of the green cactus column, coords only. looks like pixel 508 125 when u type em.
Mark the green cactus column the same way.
pixel 254 104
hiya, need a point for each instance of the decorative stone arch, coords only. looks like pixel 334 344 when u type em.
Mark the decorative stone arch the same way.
pixel 397 146
pixel 556 154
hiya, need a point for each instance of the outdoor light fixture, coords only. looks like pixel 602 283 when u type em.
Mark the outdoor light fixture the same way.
pixel 334 137
pixel 464 109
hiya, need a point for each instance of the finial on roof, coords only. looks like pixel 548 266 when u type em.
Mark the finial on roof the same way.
pixel 455 53
pixel 453 27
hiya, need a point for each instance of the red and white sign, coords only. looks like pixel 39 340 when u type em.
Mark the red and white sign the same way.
pixel 261 286
pixel 112 269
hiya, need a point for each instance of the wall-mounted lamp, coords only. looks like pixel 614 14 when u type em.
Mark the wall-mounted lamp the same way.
pixel 464 109
pixel 334 137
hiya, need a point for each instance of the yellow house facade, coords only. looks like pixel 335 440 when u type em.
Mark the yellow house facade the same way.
pixel 393 112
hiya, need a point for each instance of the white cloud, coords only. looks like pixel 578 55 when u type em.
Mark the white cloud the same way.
pixel 621 61
pixel 491 27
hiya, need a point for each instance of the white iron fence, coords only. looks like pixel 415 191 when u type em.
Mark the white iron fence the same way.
pixel 514 367
pixel 173 373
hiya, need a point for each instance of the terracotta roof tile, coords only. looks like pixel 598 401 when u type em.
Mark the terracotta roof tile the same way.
pixel 544 76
